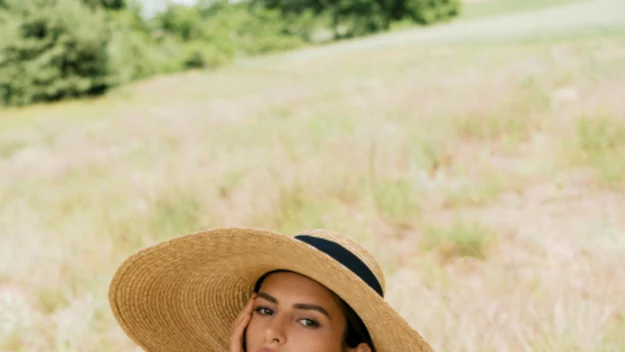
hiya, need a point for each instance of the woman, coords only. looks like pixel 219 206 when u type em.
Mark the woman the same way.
pixel 244 290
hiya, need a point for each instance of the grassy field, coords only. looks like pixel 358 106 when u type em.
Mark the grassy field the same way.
pixel 488 8
pixel 482 162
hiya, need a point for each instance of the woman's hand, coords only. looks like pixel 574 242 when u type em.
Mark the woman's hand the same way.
pixel 238 328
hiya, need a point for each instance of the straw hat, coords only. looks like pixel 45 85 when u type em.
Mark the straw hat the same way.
pixel 185 293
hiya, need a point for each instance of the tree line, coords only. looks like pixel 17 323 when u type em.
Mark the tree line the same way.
pixel 56 49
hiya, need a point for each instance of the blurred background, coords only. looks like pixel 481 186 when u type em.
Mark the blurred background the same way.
pixel 477 148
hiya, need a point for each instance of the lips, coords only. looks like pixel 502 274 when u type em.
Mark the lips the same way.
pixel 266 350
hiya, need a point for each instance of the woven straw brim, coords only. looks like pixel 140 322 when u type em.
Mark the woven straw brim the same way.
pixel 185 293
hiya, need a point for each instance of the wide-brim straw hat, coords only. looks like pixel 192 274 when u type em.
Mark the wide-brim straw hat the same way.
pixel 184 294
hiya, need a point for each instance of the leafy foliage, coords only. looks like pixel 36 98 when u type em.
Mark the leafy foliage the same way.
pixel 427 11
pixel 350 18
pixel 56 49
pixel 107 4
pixel 216 35
pixel 52 49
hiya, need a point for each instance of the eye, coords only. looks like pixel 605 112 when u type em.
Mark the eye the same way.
pixel 309 323
pixel 264 311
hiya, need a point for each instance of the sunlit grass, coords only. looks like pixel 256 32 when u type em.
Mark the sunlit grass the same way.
pixel 601 143
pixel 460 239
pixel 486 8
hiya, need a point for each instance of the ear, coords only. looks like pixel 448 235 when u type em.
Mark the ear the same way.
pixel 363 347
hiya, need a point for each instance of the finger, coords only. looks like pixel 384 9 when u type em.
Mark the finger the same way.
pixel 238 331
pixel 245 313
pixel 236 338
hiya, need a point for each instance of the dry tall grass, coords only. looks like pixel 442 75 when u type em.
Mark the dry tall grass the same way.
pixel 488 178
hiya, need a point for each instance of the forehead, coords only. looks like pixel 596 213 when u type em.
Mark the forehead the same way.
pixel 287 286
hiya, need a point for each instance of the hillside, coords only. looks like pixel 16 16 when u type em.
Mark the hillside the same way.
pixel 482 162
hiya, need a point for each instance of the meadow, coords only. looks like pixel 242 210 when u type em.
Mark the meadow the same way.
pixel 481 161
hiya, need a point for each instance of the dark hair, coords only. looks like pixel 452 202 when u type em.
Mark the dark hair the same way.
pixel 355 330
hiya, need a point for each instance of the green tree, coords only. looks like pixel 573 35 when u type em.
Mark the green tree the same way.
pixel 107 4
pixel 214 33
pixel 52 49
pixel 351 18
pixel 428 11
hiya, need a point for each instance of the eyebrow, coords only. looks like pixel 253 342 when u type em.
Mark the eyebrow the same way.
pixel 300 306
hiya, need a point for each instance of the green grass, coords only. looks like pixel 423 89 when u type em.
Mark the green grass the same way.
pixel 458 240
pixel 176 213
pixel 491 8
pixel 398 201
pixel 485 189
pixel 601 145
pixel 8 148
pixel 509 125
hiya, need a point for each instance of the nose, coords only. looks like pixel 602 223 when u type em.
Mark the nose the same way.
pixel 275 332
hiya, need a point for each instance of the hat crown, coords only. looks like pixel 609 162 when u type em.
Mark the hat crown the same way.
pixel 355 248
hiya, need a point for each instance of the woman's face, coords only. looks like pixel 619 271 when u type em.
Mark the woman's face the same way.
pixel 293 313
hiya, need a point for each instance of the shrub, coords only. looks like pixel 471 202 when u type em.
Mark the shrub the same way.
pixel 262 31
pixel 135 54
pixel 52 49
pixel 216 35
pixel 199 54
pixel 350 18
pixel 106 4
pixel 430 11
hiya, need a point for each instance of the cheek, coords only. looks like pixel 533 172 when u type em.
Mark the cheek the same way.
pixel 254 333
pixel 303 340
pixel 298 339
